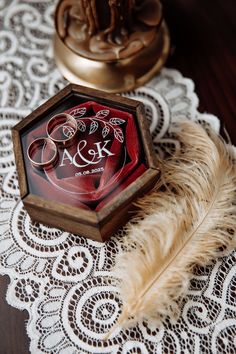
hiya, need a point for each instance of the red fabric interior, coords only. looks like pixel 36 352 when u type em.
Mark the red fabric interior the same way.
pixel 94 190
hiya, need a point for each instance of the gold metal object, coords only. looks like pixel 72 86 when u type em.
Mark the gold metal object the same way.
pixel 42 142
pixel 59 121
pixel 110 45
pixel 114 76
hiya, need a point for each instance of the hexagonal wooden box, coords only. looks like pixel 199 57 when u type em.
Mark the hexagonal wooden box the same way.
pixel 50 208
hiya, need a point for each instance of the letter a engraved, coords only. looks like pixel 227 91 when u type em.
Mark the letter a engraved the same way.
pixel 66 156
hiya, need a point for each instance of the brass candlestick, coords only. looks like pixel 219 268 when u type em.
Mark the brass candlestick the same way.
pixel 112 45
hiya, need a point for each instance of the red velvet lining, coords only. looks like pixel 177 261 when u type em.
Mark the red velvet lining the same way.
pixel 94 190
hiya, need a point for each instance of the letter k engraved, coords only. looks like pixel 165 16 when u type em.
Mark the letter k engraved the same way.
pixel 101 149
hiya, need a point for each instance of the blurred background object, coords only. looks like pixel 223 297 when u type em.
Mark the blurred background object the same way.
pixel 112 45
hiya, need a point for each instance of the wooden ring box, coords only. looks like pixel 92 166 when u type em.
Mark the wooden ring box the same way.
pixel 100 224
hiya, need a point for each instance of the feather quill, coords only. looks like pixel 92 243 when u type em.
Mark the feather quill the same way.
pixel 185 221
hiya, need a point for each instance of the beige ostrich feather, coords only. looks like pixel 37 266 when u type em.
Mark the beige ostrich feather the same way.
pixel 185 221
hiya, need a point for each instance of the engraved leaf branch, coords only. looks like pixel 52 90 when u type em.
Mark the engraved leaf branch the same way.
pixel 112 124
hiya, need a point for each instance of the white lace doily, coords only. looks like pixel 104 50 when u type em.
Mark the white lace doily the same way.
pixel 60 278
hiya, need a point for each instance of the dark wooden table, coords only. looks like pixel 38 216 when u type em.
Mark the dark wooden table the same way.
pixel 204 48
pixel 203 36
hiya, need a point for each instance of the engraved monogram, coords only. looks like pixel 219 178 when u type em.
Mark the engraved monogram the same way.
pixel 87 152
pixel 86 156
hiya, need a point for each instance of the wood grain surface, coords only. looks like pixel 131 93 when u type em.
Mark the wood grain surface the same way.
pixel 204 48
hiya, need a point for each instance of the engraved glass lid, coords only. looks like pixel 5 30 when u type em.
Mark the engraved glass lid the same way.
pixel 83 155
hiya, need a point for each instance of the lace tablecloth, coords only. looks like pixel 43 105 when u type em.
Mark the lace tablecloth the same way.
pixel 60 278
